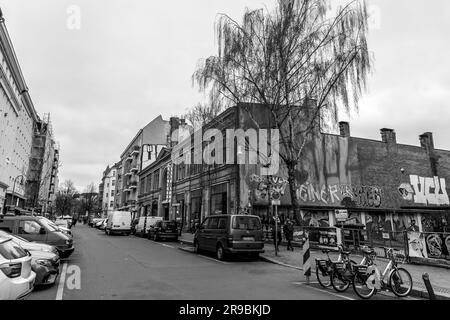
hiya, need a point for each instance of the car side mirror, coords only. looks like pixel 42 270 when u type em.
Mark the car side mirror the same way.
pixel 201 227
pixel 42 231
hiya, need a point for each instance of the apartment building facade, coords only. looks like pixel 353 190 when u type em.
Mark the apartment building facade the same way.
pixel 17 120
pixel 142 151
pixel 107 191
pixel 43 169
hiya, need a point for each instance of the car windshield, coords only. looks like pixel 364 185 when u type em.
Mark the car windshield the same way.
pixel 50 226
pixel 246 223
pixel 11 250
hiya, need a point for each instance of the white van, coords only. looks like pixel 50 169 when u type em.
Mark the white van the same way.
pixel 119 222
pixel 144 225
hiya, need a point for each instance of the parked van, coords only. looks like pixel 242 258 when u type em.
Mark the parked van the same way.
pixel 230 234
pixel 118 222
pixel 37 229
pixel 144 225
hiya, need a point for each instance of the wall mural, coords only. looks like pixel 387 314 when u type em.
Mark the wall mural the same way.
pixel 425 191
pixel 262 185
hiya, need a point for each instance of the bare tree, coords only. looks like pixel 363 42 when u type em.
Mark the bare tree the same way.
pixel 202 113
pixel 65 202
pixel 300 61
pixel 89 200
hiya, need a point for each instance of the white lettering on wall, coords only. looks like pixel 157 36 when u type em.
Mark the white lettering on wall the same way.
pixel 429 190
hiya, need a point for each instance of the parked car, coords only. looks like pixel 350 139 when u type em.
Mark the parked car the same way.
pixel 163 230
pixel 103 225
pixel 118 222
pixel 28 245
pixel 230 234
pixel 63 229
pixel 93 221
pixel 38 229
pixel 16 277
pixel 44 259
pixel 99 223
pixel 62 223
pixel 46 267
pixel 144 225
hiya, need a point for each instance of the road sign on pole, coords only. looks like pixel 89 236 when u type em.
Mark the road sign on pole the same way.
pixel 306 259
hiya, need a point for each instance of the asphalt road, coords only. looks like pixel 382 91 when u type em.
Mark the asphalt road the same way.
pixel 121 268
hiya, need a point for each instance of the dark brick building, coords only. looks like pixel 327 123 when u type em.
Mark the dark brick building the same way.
pixel 382 185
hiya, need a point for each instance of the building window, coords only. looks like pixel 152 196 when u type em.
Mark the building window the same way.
pixel 156 181
pixel 113 183
pixel 143 182
pixel 112 193
pixel 148 186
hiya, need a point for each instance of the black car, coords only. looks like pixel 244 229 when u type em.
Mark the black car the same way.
pixel 164 230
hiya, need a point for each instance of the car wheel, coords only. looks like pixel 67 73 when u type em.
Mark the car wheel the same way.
pixel 220 254
pixel 254 255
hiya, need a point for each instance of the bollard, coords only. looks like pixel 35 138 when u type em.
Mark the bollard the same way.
pixel 426 280
pixel 306 259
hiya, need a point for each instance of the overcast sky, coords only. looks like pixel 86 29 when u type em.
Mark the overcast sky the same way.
pixel 132 60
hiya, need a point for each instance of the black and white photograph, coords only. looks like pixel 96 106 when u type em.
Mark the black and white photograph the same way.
pixel 241 152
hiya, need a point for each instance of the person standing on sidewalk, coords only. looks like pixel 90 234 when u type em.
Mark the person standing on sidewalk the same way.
pixel 289 234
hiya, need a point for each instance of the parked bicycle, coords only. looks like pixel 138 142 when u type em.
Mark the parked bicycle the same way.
pixel 324 268
pixel 341 276
pixel 368 280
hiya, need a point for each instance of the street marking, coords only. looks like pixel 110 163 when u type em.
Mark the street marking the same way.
pixel 325 291
pixel 62 282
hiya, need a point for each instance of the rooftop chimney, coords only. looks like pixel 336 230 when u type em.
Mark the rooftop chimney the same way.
pixel 426 141
pixel 388 135
pixel 344 129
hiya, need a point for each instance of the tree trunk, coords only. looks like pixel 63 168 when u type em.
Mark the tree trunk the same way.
pixel 293 190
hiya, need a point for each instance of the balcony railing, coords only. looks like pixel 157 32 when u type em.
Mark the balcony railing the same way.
pixel 136 150
pixel 134 169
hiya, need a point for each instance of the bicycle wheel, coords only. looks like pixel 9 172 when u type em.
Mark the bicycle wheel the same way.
pixel 360 287
pixel 323 277
pixel 339 283
pixel 400 282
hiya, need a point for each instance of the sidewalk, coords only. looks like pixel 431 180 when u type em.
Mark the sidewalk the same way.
pixel 439 277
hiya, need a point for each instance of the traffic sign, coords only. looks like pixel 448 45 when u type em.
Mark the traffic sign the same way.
pixel 276 202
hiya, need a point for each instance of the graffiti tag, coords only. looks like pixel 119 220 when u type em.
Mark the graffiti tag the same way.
pixel 425 191
pixel 361 196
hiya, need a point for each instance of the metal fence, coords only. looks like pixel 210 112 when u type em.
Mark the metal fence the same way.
pixel 427 245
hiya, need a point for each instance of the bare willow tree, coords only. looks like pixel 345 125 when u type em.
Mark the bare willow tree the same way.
pixel 285 58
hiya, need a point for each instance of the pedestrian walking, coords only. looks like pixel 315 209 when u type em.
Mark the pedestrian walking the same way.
pixel 74 221
pixel 289 234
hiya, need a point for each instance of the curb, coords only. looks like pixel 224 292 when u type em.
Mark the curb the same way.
pixel 186 249
pixel 189 242
pixel 414 292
